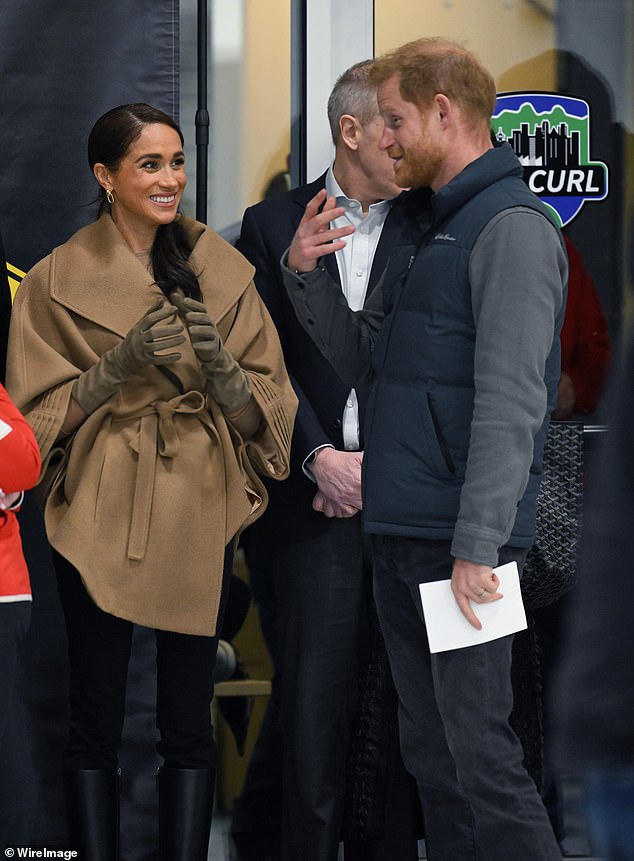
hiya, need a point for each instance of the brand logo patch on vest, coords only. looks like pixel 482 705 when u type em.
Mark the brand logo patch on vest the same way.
pixel 550 135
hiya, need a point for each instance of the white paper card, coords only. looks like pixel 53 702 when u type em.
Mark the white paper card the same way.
pixel 448 629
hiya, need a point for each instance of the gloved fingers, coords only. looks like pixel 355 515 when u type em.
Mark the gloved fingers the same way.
pixel 160 311
pixel 193 305
pixel 186 305
pixel 204 333
pixel 164 358
pixel 193 318
pixel 192 312
pixel 158 303
pixel 156 333
pixel 162 338
pixel 176 297
pixel 205 340
pixel 155 352
pixel 163 342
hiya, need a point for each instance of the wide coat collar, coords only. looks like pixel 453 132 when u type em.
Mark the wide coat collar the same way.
pixel 95 274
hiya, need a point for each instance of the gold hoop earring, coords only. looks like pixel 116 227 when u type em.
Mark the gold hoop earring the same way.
pixel 109 196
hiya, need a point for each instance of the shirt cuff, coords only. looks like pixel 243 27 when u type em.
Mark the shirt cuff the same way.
pixel 300 276
pixel 308 461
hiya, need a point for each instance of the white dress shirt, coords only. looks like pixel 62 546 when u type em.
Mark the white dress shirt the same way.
pixel 355 263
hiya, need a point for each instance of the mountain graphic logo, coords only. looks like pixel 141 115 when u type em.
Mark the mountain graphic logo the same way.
pixel 550 135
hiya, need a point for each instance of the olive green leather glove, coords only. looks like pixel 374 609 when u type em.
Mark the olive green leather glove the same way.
pixel 142 346
pixel 227 383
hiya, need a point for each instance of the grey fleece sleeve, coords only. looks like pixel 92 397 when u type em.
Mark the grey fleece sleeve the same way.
pixel 518 270
pixel 345 337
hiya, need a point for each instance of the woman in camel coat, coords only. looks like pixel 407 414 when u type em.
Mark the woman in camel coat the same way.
pixel 153 379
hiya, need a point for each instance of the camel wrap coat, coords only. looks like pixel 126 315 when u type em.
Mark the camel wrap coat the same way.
pixel 144 496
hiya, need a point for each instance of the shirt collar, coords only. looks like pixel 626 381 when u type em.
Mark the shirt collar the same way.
pixel 333 189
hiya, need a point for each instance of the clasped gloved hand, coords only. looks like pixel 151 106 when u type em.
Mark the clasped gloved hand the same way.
pixel 144 345
pixel 227 383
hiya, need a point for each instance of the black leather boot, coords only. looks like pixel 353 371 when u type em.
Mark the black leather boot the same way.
pixel 92 811
pixel 186 800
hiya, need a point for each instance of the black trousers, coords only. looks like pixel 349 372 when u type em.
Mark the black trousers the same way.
pixel 478 799
pixel 323 590
pixel 99 650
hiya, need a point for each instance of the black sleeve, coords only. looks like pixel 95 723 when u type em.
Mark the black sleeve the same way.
pixel 308 433
pixel 345 337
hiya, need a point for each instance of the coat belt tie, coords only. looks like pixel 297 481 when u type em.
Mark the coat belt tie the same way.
pixel 157 435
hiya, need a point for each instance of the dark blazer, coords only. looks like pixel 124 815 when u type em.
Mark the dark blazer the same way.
pixel 267 231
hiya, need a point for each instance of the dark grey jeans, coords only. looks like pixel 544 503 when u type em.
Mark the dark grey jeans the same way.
pixel 479 803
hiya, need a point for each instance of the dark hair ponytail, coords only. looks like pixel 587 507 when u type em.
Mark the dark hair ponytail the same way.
pixel 170 261
pixel 110 139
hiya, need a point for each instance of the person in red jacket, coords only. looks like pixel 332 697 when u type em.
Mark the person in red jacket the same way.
pixel 19 470
pixel 585 343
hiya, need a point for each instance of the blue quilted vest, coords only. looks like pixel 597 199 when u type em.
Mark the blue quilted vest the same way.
pixel 419 416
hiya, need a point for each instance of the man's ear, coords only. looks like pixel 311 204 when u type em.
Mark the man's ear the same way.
pixel 349 127
pixel 443 107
